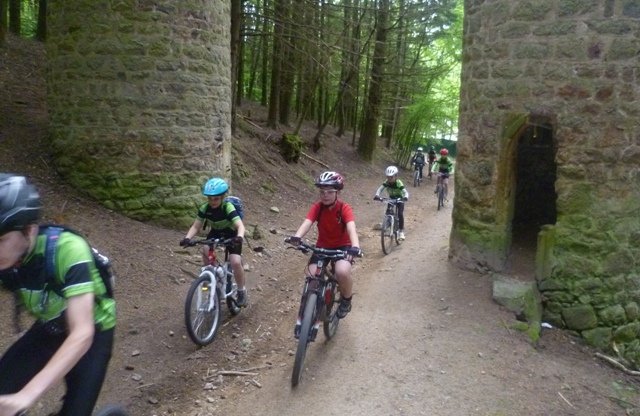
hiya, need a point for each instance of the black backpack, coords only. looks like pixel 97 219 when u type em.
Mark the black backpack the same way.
pixel 102 262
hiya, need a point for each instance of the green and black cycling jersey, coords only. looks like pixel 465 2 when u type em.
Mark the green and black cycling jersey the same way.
pixel 75 274
pixel 444 164
pixel 221 220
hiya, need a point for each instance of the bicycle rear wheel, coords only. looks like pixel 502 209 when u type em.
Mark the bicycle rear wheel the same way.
pixel 232 290
pixel 416 178
pixel 112 410
pixel 440 197
pixel 386 234
pixel 202 312
pixel 330 320
pixel 308 319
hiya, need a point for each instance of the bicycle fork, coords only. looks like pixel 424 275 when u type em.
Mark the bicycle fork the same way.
pixel 207 293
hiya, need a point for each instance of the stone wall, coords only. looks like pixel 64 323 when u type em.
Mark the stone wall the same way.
pixel 573 66
pixel 139 101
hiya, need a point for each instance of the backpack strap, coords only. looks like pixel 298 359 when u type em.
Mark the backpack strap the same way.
pixel 344 226
pixel 52 234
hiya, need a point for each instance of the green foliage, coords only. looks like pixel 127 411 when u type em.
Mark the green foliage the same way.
pixel 432 117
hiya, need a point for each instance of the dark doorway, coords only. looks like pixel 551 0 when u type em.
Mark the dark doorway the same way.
pixel 535 197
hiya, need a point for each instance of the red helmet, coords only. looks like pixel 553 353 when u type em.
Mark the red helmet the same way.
pixel 444 152
pixel 330 178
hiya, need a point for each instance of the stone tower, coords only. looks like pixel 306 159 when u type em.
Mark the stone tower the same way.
pixel 139 96
pixel 549 152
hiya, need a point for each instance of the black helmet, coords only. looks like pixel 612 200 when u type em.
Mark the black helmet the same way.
pixel 19 203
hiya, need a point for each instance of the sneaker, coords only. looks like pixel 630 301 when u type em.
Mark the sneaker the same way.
pixel 401 235
pixel 242 298
pixel 344 308
pixel 296 331
pixel 435 191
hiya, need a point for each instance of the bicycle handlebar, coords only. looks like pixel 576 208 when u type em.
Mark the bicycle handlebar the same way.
pixel 392 201
pixel 333 254
pixel 215 241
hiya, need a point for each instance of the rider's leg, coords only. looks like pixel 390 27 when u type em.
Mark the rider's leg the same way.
pixel 420 168
pixel 401 217
pixel 445 184
pixel 238 271
pixel 345 283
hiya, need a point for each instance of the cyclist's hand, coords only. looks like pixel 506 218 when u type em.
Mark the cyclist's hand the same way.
pixel 377 198
pixel 405 199
pixel 237 241
pixel 186 242
pixel 354 251
pixel 293 240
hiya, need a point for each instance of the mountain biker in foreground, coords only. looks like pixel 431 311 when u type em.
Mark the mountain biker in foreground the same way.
pixel 225 223
pixel 396 190
pixel 444 165
pixel 72 337
pixel 418 160
pixel 336 231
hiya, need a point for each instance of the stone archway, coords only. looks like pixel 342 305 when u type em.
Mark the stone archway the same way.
pixel 532 152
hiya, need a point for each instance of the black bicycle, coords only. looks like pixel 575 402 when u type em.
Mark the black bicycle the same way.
pixel 441 189
pixel 318 304
pixel 417 177
pixel 390 223
pixel 215 284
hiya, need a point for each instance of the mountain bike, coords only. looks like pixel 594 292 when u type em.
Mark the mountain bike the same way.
pixel 215 284
pixel 318 303
pixel 441 190
pixel 390 223
pixel 417 178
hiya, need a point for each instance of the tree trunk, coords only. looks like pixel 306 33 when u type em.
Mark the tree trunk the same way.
pixel 3 20
pixel 236 27
pixel 280 12
pixel 14 17
pixel 371 118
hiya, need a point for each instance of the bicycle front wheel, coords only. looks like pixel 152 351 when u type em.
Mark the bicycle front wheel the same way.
pixel 330 319
pixel 308 319
pixel 386 234
pixel 202 312
pixel 112 410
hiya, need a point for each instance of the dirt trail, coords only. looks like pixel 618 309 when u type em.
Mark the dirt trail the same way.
pixel 425 338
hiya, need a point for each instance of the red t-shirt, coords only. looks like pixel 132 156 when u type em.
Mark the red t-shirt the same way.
pixel 332 224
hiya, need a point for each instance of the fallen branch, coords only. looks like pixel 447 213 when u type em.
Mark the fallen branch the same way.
pixel 617 364
pixel 255 383
pixel 235 373
pixel 248 121
pixel 315 160
pixel 564 398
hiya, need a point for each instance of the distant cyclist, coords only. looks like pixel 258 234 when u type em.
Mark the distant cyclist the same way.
pixel 418 160
pixel 72 337
pixel 444 166
pixel 431 157
pixel 396 190
pixel 225 223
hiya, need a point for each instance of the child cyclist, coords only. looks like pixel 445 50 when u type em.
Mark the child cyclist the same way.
pixel 444 166
pixel 336 230
pixel 72 337
pixel 225 223
pixel 418 160
pixel 396 190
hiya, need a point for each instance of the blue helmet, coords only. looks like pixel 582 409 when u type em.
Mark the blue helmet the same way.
pixel 215 187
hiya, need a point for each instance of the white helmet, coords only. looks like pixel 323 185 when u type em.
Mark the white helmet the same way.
pixel 391 171
pixel 419 149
